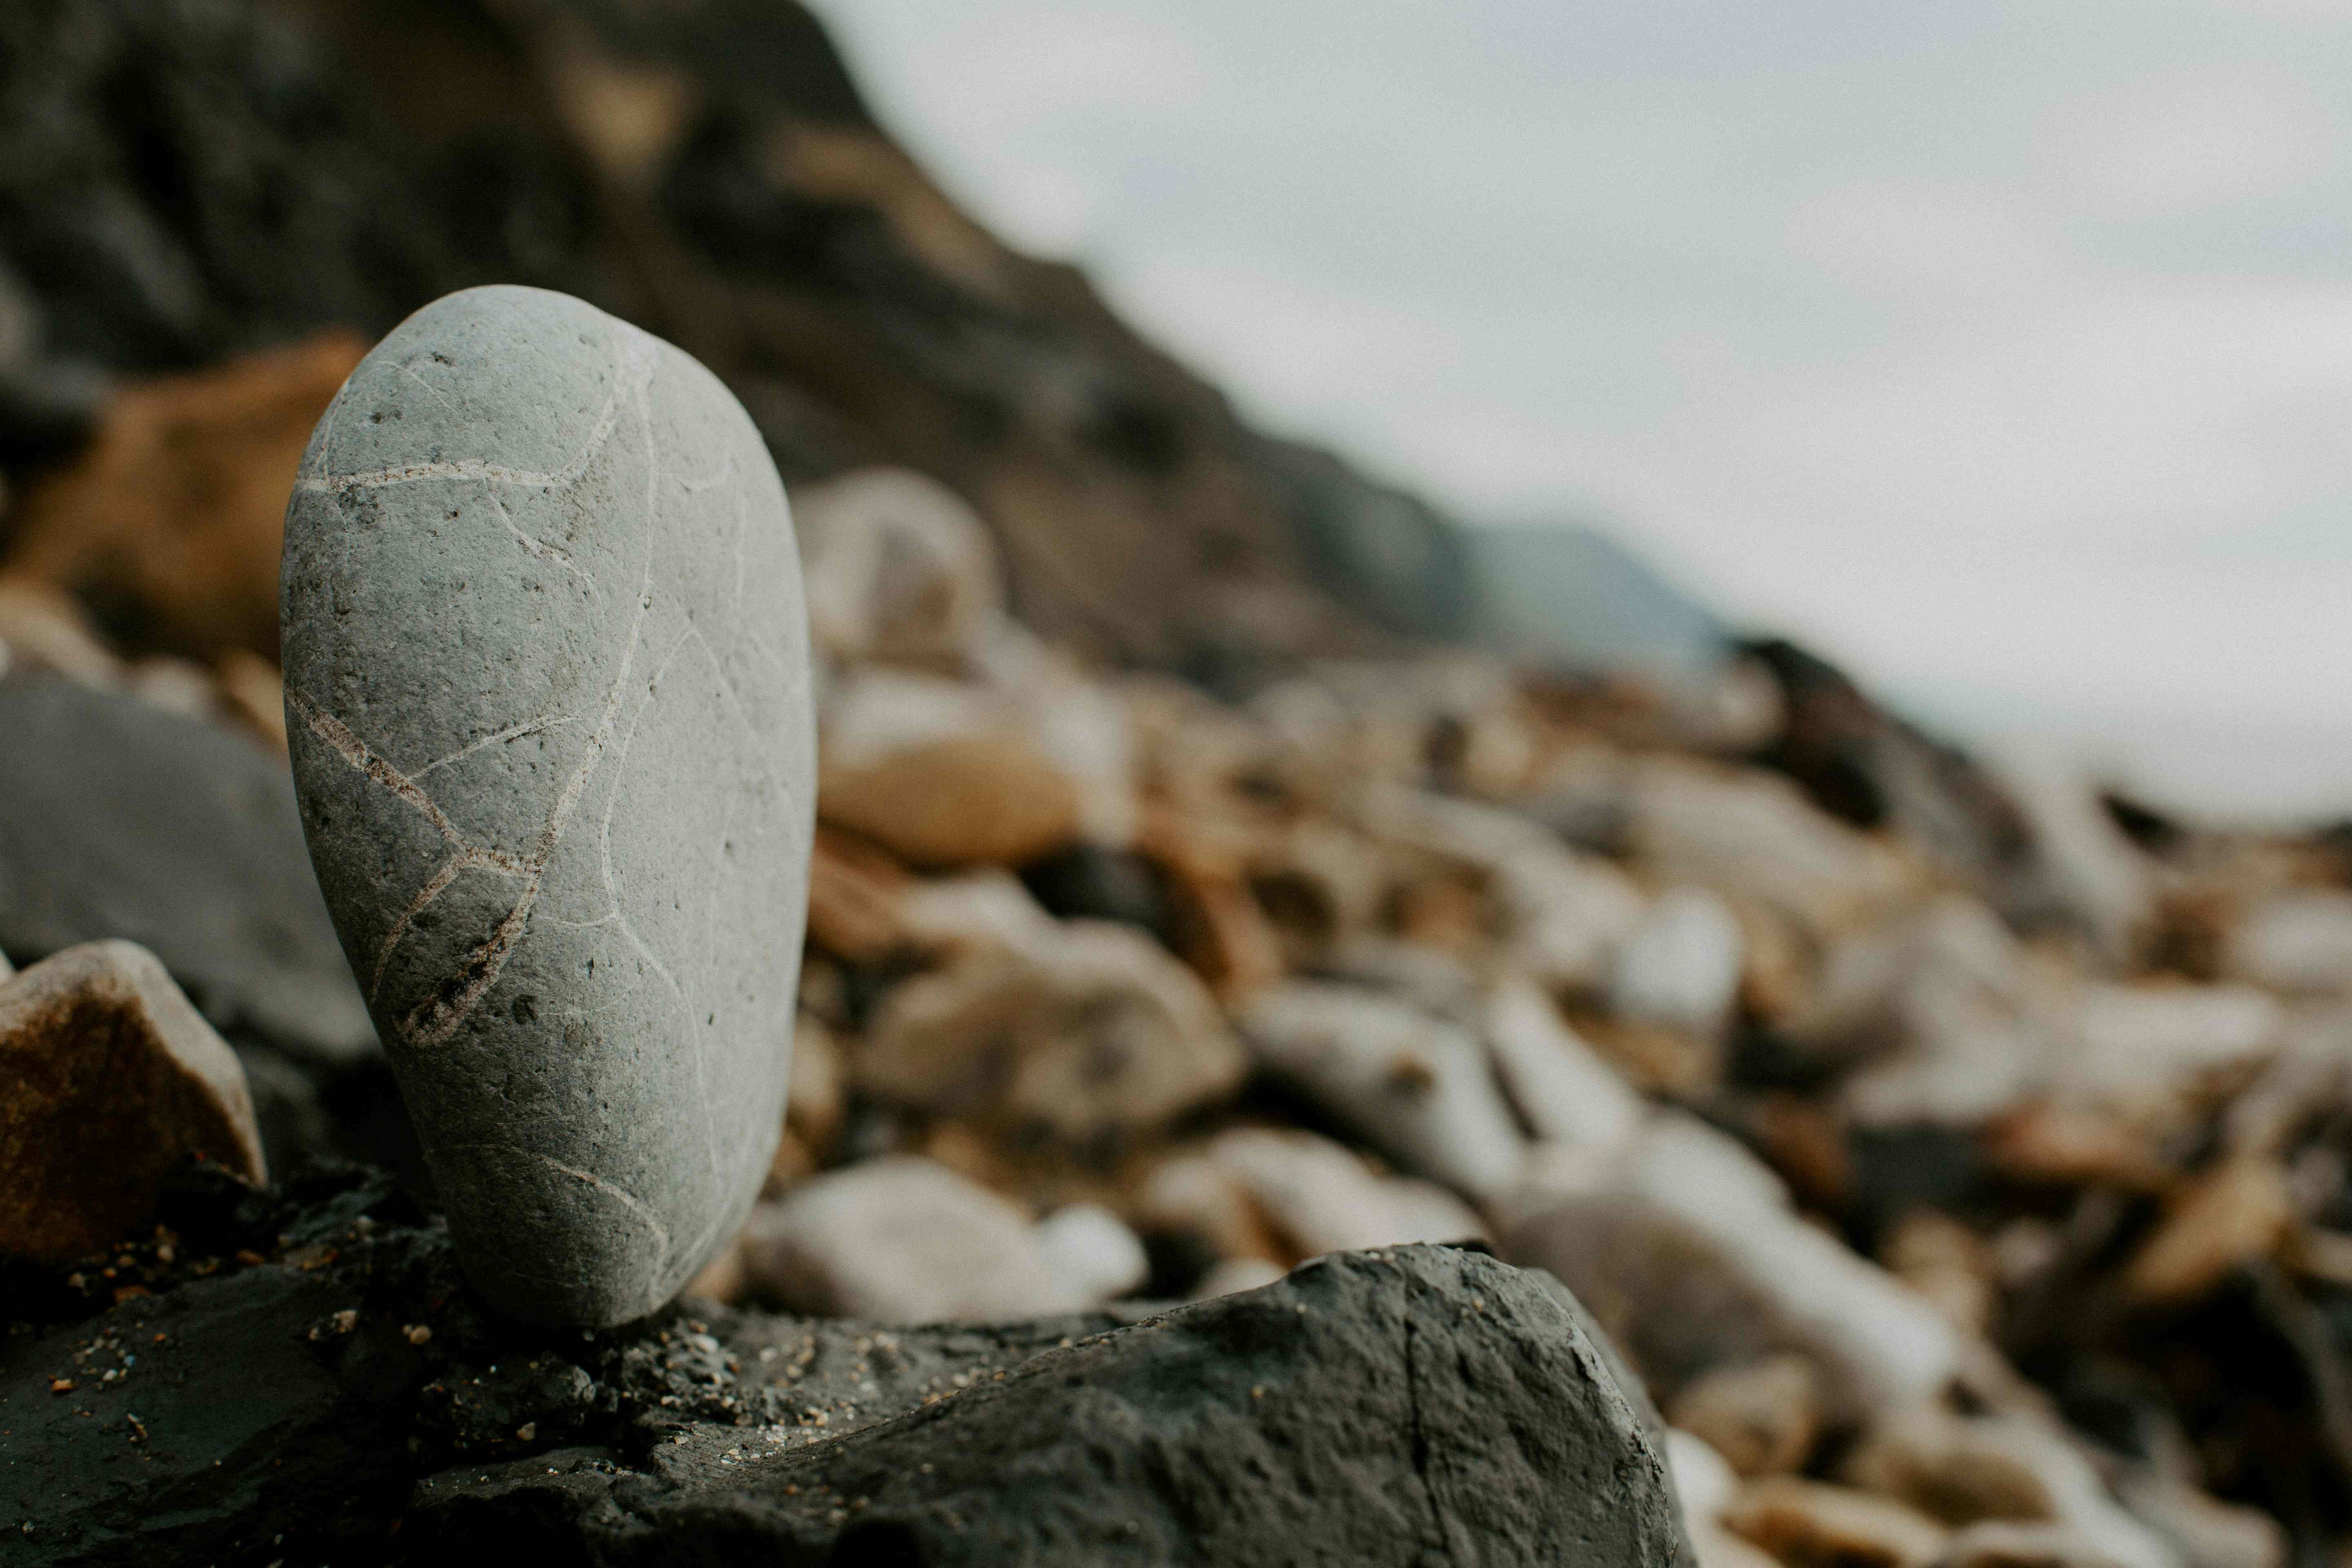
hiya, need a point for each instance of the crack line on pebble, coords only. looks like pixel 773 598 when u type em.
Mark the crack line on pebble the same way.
pixel 511 733
pixel 408 369
pixel 637 360
pixel 416 906
pixel 735 701
pixel 432 1021
pixel 697 486
pixel 365 759
pixel 537 549
pixel 629 1200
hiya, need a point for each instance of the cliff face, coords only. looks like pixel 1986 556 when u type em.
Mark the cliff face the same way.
pixel 181 183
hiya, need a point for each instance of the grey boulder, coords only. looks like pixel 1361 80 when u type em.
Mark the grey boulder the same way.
pixel 546 697
pixel 118 819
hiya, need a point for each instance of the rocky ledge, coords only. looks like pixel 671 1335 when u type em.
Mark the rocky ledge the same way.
pixel 302 1374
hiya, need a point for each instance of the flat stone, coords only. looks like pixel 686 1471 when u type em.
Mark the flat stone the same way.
pixel 548 706
pixel 1420 1405
pixel 114 1081
pixel 311 1380
pixel 118 819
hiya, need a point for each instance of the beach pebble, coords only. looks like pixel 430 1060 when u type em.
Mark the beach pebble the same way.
pixel 1761 1415
pixel 2298 941
pixel 903 1240
pixel 1091 1251
pixel 1681 966
pixel 1417 1088
pixel 113 1080
pixel 1810 1524
pixel 547 700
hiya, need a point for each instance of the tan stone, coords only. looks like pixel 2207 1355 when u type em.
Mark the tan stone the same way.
pixel 1222 930
pixel 113 1080
pixel 256 693
pixel 2299 939
pixel 1954 1469
pixel 178 505
pixel 43 628
pixel 175 685
pixel 1322 1197
pixel 1417 1088
pixel 1942 1002
pixel 1810 1524
pixel 960 800
pixel 2230 1214
pixel 1762 1415
pixel 1684 1245
pixel 1751 835
pixel 2209 1532
pixel 1095 1030
pixel 2016 1543
pixel 2016 1466
pixel 790 1165
pixel 1706 1487
pixel 2074 1142
pixel 1561 912
pixel 629 115
pixel 855 892
pixel 1559 1084
pixel 1318 884
pixel 815 1103
pixel 1948 1263
pixel 722 1278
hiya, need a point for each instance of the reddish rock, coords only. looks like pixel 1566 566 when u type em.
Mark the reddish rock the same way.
pixel 113 1080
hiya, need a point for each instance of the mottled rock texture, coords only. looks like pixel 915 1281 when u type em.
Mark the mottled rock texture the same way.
pixel 546 700
pixel 1419 1405
pixel 112 1080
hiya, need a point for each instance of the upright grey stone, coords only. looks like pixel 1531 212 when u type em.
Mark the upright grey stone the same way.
pixel 547 693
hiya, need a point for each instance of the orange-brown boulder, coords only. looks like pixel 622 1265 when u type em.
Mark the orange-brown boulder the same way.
pixel 173 515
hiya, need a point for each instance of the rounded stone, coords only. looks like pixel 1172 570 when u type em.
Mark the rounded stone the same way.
pixel 547 696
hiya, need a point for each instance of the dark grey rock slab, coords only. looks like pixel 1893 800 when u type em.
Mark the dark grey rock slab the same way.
pixel 118 819
pixel 348 1398
pixel 1417 1406
pixel 547 692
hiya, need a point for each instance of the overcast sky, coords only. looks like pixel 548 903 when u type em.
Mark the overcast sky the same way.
pixel 2004 352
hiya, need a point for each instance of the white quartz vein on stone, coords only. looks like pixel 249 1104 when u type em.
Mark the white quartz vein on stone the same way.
pixel 511 733
pixel 636 359
pixel 628 1200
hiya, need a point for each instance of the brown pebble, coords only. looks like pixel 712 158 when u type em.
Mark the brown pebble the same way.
pixel 114 1081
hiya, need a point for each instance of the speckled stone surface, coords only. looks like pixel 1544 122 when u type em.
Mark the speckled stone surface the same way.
pixel 547 692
